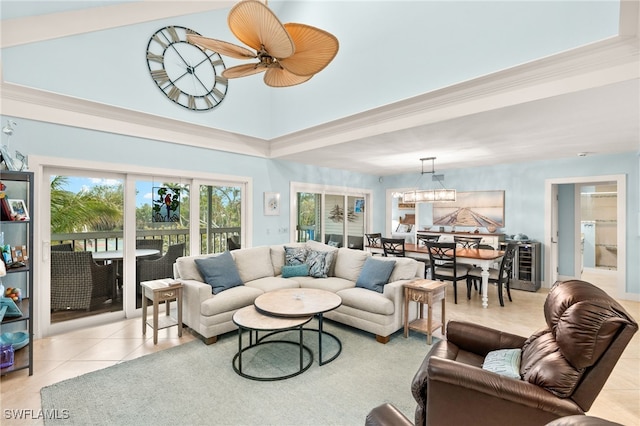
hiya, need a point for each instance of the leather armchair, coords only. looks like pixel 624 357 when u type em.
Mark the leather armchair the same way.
pixel 563 366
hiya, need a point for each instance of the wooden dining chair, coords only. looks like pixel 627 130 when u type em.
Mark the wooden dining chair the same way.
pixel 373 240
pixel 393 247
pixel 501 276
pixel 445 266
pixel 421 241
pixel 467 242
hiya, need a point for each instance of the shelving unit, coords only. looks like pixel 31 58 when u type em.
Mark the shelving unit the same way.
pixel 20 233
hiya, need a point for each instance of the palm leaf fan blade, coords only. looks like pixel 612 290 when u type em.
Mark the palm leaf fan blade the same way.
pixel 315 49
pixel 242 70
pixel 222 47
pixel 257 26
pixel 278 77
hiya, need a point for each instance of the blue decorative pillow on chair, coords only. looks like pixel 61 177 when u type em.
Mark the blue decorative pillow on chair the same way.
pixel 375 274
pixel 220 272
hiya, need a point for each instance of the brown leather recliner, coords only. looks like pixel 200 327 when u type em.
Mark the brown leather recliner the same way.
pixel 563 367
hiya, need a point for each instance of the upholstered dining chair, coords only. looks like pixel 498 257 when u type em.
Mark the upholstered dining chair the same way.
pixel 393 247
pixel 500 276
pixel 560 369
pixel 445 266
pixel 78 282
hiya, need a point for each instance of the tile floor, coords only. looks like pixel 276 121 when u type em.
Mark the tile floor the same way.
pixel 68 355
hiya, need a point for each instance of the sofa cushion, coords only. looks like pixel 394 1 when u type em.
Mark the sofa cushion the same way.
pixel 253 263
pixel 319 263
pixel 349 263
pixel 366 300
pixel 404 269
pixel 229 300
pixel 272 283
pixel 277 256
pixel 505 362
pixel 289 271
pixel 375 274
pixel 332 284
pixel 219 272
pixel 294 255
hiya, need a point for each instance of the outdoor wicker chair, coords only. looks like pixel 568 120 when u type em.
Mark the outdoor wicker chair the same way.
pixel 148 270
pixel 62 247
pixel 78 282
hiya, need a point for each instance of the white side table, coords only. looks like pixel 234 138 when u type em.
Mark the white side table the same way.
pixel 157 291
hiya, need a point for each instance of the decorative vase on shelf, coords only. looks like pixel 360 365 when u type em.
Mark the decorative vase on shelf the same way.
pixel 491 229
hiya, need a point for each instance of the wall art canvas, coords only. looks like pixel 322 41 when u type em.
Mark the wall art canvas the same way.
pixel 478 209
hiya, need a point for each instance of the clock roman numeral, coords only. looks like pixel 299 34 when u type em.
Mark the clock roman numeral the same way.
pixel 159 41
pixel 192 102
pixel 173 34
pixel 209 103
pixel 217 62
pixel 160 76
pixel 218 93
pixel 174 93
pixel 154 57
pixel 222 80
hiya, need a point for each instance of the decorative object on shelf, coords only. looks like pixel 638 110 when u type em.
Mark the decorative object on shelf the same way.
pixel 474 209
pixel 18 339
pixel 19 254
pixel 166 207
pixel 289 53
pixel 184 72
pixel 18 209
pixel 271 203
pixel 5 156
pixel 429 195
pixel 13 293
pixel 6 356
pixel 12 309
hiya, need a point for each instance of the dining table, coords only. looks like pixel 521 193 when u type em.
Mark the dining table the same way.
pixel 485 258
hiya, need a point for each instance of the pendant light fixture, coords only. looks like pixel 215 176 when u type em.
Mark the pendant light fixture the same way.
pixel 429 195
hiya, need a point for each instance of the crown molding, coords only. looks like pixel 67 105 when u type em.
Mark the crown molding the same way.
pixel 63 24
pixel 598 64
pixel 40 105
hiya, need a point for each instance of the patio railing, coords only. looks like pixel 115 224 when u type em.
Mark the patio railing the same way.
pixel 215 241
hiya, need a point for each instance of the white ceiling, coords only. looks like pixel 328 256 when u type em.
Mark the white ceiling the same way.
pixel 585 100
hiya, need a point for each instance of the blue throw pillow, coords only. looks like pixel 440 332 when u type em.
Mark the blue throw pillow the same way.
pixel 319 263
pixel 289 271
pixel 220 272
pixel 375 274
pixel 294 255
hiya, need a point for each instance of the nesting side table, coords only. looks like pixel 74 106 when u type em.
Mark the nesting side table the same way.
pixel 157 291
pixel 424 292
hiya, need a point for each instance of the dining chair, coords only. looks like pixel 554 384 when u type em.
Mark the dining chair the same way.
pixel 500 276
pixel 445 266
pixel 421 241
pixel 62 247
pixel 373 240
pixel 149 243
pixel 78 282
pixel 148 270
pixel 393 247
pixel 467 242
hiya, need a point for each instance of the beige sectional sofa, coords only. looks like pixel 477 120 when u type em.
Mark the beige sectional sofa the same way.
pixel 260 269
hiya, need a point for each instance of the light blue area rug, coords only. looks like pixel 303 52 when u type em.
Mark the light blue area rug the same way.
pixel 195 384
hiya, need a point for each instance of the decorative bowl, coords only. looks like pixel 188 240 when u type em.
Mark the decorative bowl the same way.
pixel 19 339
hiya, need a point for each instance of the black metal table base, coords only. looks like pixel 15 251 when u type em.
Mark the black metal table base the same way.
pixel 260 341
pixel 321 332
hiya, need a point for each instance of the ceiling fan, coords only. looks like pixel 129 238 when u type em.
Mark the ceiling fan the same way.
pixel 289 53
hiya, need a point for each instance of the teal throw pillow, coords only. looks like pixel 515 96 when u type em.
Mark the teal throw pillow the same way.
pixel 289 271
pixel 505 362
pixel 294 255
pixel 319 263
pixel 375 274
pixel 220 272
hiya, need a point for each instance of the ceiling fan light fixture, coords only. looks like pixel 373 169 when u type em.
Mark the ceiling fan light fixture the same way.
pixel 291 53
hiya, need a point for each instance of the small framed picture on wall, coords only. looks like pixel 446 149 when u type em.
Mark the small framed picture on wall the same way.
pixel 271 203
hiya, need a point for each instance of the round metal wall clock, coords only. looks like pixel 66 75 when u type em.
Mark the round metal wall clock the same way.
pixel 186 74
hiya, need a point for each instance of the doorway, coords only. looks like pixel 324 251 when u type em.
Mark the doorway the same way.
pixel 566 209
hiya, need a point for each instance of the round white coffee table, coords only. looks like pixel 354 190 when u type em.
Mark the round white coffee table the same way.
pixel 295 302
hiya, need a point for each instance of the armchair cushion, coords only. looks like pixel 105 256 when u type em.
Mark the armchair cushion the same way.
pixel 220 272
